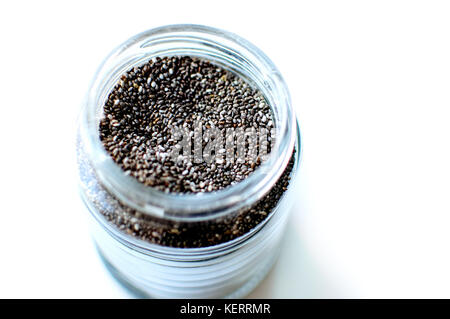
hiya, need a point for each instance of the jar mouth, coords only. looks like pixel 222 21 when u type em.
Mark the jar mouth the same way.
pixel 220 47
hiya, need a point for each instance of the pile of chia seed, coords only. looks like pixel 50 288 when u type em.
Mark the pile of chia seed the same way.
pixel 176 91
pixel 135 130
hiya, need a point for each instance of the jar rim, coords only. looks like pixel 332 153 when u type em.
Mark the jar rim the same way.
pixel 191 206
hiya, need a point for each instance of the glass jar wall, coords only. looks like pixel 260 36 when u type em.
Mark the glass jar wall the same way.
pixel 179 258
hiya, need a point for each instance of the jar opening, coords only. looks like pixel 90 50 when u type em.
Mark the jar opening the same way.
pixel 226 50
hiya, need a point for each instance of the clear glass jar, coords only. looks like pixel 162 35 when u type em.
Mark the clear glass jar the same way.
pixel 227 268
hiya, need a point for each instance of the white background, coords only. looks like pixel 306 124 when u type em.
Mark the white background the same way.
pixel 370 81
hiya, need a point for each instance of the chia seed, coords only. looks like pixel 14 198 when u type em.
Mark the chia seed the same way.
pixel 139 116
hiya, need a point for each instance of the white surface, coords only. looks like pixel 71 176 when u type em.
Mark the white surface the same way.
pixel 370 81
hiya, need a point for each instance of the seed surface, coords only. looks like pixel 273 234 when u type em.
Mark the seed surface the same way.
pixel 149 101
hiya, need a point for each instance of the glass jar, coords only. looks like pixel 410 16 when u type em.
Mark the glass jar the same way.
pixel 234 263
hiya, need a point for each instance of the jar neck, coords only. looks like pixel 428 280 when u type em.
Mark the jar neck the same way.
pixel 226 50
